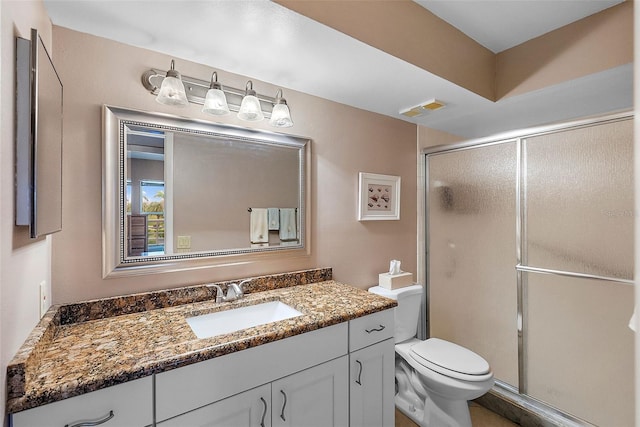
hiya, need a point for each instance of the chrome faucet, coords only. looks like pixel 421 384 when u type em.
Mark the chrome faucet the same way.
pixel 234 291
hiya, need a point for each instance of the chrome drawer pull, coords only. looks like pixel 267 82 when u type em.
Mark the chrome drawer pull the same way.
pixel 359 373
pixel 264 413
pixel 378 329
pixel 284 405
pixel 92 423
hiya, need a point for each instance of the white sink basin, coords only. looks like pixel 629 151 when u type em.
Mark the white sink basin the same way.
pixel 227 321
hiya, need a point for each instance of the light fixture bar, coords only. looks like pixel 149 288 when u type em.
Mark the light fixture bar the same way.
pixel 196 90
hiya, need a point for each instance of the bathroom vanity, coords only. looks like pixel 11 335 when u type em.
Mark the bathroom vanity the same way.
pixel 332 365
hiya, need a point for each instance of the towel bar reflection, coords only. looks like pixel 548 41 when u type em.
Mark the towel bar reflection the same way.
pixel 251 209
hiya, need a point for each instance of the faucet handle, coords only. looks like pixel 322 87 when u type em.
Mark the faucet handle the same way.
pixel 233 291
pixel 219 293
pixel 243 285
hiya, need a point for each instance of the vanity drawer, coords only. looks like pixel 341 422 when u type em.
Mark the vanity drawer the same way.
pixel 124 405
pixel 370 329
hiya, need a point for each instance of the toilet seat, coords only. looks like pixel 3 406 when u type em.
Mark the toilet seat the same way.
pixel 451 360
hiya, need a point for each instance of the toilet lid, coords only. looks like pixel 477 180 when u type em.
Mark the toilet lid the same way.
pixel 450 359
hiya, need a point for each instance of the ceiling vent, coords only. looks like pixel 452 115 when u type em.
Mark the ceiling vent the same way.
pixel 423 108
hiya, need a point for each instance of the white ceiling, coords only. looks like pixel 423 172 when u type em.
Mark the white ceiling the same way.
pixel 268 42
pixel 501 24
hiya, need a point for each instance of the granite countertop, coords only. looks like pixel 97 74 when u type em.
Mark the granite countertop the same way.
pixel 77 349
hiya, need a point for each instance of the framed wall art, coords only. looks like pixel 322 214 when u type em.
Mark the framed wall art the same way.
pixel 379 197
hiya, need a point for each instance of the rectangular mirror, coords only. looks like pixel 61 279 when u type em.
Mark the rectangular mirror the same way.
pixel 38 139
pixel 181 193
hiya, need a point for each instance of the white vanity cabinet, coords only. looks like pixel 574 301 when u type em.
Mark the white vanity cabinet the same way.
pixel 251 408
pixel 182 390
pixel 335 376
pixel 372 370
pixel 315 397
pixel 130 403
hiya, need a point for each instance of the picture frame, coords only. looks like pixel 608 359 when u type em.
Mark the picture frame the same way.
pixel 379 197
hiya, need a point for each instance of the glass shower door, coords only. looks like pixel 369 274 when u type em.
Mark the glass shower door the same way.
pixel 530 264
pixel 472 252
pixel 578 224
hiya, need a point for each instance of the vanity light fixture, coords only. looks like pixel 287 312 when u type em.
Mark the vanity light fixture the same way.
pixel 215 101
pixel 172 90
pixel 250 109
pixel 280 116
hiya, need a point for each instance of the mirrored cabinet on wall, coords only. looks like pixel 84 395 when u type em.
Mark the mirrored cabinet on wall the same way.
pixel 38 139
pixel 181 193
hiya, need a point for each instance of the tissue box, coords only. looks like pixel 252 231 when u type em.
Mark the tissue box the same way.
pixel 394 281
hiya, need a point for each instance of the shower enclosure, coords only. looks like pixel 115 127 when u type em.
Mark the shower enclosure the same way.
pixel 529 256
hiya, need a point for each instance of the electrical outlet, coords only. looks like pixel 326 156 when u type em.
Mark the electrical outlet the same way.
pixel 184 242
pixel 45 298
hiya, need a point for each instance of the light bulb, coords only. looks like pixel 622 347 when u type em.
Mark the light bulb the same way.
pixel 280 116
pixel 215 103
pixel 250 109
pixel 172 90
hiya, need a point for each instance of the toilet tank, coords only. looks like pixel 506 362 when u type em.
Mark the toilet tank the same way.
pixel 407 312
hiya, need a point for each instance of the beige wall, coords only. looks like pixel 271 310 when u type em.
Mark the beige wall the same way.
pixel 345 141
pixel 596 43
pixel 410 32
pixel 636 168
pixel 23 263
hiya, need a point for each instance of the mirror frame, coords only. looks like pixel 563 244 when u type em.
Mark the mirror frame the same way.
pixel 115 263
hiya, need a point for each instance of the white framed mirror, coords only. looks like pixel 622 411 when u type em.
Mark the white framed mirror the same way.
pixel 180 193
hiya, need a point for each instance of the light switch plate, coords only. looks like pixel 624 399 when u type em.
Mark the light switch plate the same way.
pixel 45 298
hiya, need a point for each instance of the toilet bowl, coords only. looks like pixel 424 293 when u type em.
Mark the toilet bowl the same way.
pixel 434 378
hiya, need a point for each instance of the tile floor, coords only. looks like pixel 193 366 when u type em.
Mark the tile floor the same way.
pixel 480 417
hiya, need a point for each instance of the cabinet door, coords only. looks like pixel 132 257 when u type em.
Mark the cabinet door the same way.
pixel 316 397
pixel 372 386
pixel 124 405
pixel 251 408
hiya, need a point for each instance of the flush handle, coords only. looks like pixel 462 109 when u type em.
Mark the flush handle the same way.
pixel 92 423
pixel 284 405
pixel 359 373
pixel 378 329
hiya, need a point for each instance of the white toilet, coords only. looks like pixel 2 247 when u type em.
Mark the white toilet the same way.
pixel 434 378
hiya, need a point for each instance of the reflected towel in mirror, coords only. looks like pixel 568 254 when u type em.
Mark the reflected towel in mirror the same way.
pixel 274 219
pixel 288 224
pixel 259 229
